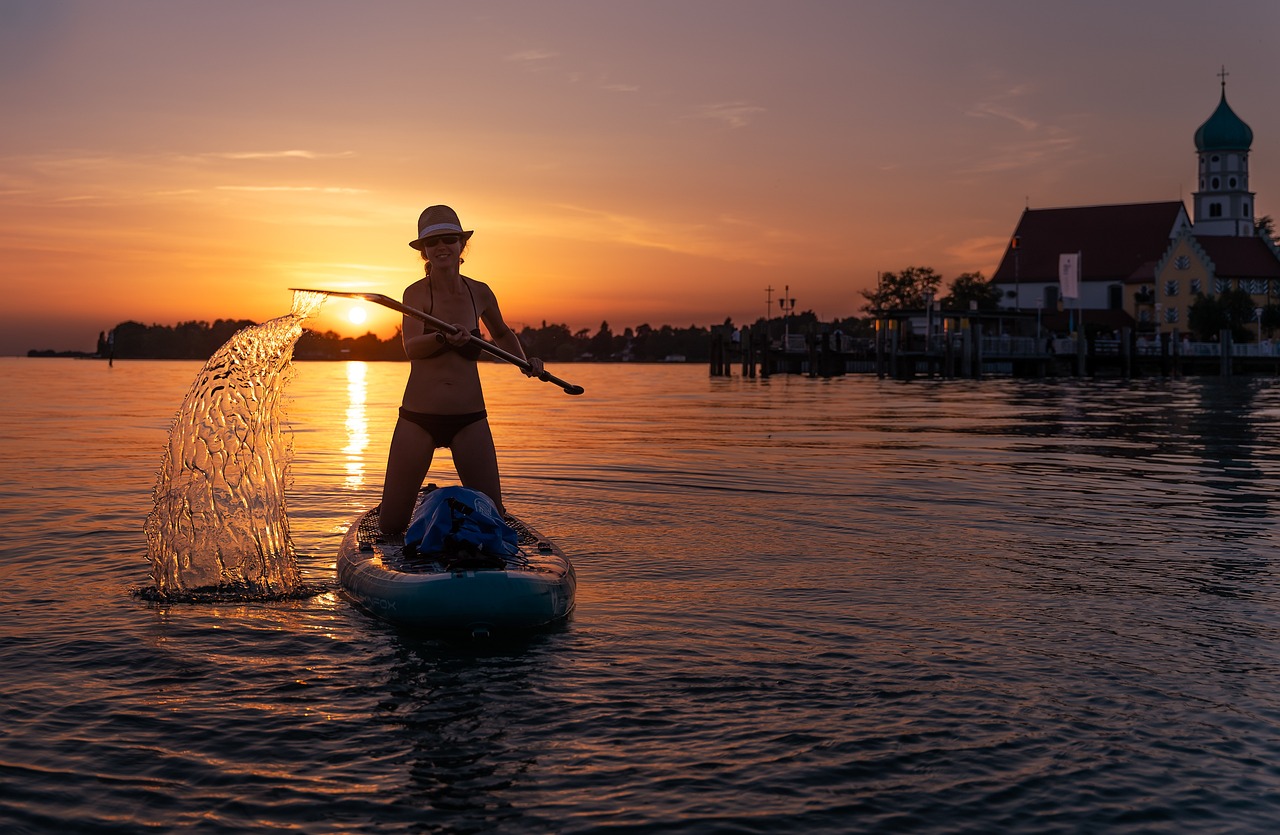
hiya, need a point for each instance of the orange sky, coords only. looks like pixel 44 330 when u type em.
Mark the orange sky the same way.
pixel 659 162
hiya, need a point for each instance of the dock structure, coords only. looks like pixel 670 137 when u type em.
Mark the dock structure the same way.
pixel 967 347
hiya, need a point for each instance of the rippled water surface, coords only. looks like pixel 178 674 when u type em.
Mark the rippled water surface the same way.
pixel 804 606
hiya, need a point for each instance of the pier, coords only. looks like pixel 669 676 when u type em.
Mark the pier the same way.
pixel 965 348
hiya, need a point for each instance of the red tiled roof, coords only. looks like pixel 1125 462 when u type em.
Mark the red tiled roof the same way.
pixel 1240 257
pixel 1116 242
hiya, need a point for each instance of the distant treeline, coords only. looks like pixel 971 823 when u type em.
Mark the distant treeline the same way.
pixel 553 342
pixel 911 289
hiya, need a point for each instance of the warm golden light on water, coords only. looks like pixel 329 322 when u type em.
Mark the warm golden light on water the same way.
pixel 357 424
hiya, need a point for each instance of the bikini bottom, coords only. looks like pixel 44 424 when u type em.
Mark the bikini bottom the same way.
pixel 442 428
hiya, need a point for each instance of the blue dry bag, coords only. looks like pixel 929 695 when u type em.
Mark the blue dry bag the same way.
pixel 460 519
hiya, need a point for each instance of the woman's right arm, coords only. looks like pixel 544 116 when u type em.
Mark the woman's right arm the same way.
pixel 419 343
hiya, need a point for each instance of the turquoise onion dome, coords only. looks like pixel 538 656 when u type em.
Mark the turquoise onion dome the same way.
pixel 1224 130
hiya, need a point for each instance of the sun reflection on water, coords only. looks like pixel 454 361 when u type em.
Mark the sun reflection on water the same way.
pixel 357 424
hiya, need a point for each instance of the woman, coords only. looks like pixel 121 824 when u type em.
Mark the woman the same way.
pixel 443 403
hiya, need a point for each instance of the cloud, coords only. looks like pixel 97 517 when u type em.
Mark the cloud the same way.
pixel 997 111
pixel 981 249
pixel 293 154
pixel 529 56
pixel 1037 144
pixel 1014 156
pixel 734 114
pixel 316 189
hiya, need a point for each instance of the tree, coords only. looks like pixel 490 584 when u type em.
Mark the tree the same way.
pixel 1265 226
pixel 1271 319
pixel 549 341
pixel 602 343
pixel 906 290
pixel 972 287
pixel 1204 317
pixel 1229 310
pixel 1240 310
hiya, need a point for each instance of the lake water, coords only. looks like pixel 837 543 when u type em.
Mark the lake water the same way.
pixel 848 605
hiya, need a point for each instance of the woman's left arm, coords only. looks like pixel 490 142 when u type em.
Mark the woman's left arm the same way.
pixel 502 335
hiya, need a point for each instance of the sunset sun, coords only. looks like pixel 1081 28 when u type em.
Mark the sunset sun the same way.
pixel 357 315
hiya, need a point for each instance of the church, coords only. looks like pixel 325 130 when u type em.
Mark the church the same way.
pixel 1142 265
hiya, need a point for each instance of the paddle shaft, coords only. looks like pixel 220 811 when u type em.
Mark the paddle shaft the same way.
pixel 441 325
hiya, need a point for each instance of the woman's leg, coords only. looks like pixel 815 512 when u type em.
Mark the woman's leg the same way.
pixel 407 463
pixel 476 460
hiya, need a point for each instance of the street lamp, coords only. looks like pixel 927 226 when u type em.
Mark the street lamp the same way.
pixel 787 306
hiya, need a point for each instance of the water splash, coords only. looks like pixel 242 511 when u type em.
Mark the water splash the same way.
pixel 219 528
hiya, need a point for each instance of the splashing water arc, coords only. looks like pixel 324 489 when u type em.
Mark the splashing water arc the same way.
pixel 219 523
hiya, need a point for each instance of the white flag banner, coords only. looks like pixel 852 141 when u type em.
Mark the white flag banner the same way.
pixel 1069 274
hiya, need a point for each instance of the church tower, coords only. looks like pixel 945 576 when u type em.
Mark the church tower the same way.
pixel 1223 205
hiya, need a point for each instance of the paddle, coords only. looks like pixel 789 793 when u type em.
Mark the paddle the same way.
pixel 441 325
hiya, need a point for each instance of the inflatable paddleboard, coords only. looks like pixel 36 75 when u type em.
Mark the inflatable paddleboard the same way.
pixel 474 592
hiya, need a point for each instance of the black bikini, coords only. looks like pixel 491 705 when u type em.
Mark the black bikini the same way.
pixel 472 350
pixel 443 428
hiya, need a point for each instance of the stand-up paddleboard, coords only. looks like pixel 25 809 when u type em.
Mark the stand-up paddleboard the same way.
pixel 464 591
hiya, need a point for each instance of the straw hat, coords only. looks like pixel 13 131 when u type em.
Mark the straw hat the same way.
pixel 438 220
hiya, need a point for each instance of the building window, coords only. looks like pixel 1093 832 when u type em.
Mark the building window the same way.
pixel 1195 287
pixel 1171 288
pixel 1244 209
pixel 1231 183
pixel 1171 315
pixel 1258 286
pixel 1215 210
pixel 1221 285
pixel 1216 183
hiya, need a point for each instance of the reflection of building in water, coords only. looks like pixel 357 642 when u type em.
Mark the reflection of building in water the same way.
pixel 357 424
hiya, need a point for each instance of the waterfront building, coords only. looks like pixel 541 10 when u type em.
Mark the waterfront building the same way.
pixel 1143 265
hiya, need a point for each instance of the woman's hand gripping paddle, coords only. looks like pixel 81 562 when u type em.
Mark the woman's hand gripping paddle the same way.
pixel 441 325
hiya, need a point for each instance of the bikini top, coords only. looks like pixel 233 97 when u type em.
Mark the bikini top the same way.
pixel 472 350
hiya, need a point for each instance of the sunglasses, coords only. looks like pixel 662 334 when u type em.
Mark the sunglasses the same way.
pixel 441 239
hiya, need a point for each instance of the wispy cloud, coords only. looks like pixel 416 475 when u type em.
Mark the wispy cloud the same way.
pixel 734 114
pixel 291 154
pixel 313 189
pixel 1001 106
pixel 1035 143
pixel 1013 156
pixel 529 56
pixel 983 249
pixel 994 110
